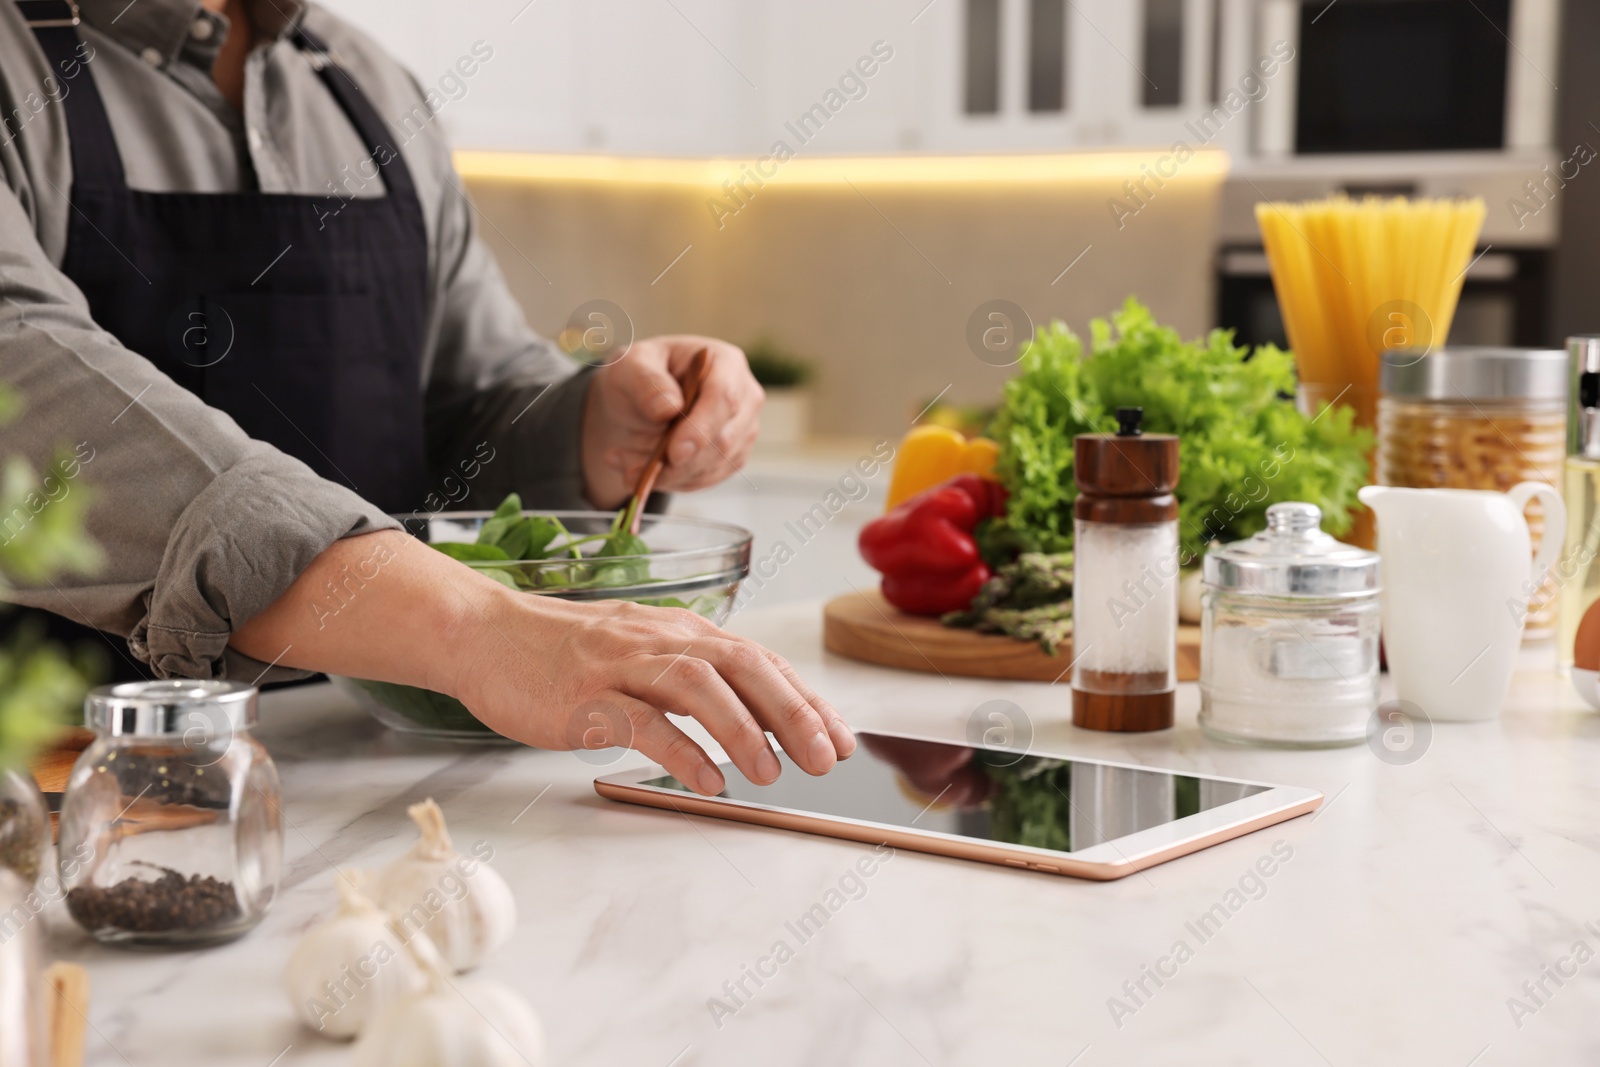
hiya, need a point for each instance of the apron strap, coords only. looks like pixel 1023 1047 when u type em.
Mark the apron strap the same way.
pixel 359 110
pixel 95 159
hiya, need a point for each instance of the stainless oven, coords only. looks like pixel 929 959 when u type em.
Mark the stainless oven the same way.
pixel 1411 76
pixel 1503 299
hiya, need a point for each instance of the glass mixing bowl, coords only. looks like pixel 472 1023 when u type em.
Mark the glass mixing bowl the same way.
pixel 693 563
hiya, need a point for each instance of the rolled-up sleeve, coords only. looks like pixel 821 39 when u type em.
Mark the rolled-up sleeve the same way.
pixel 203 526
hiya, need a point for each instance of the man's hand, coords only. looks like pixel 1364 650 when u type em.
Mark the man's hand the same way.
pixel 632 400
pixel 562 675
pixel 548 672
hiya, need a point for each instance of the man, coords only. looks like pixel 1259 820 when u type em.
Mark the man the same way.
pixel 261 307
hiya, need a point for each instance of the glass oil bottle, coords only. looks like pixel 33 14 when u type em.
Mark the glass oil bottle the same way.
pixel 1578 572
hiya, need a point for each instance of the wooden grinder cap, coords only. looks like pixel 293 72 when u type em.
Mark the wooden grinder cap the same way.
pixel 1127 476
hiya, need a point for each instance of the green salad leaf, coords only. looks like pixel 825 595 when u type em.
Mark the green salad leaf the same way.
pixel 706 605
pixel 1244 444
pixel 474 552
pixel 538 554
pixel 1032 802
pixel 542 530
pixel 506 518
pixel 624 571
pixel 511 537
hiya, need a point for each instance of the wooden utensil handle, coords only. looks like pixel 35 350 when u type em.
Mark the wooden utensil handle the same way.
pixel 66 990
pixel 693 381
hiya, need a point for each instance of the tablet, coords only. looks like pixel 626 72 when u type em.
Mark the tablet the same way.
pixel 1034 810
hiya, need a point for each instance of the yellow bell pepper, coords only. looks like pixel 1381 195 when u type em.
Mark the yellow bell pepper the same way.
pixel 932 455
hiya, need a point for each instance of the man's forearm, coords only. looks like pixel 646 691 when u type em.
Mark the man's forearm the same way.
pixel 382 606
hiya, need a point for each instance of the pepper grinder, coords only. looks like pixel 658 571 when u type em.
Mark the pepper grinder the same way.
pixel 1125 578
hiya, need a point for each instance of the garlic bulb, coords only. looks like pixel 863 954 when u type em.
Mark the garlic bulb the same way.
pixel 466 1022
pixel 1191 586
pixel 460 902
pixel 344 971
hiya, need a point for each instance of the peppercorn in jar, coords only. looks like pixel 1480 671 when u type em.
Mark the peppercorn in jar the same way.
pixel 170 827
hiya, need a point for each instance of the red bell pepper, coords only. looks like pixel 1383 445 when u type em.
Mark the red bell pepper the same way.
pixel 925 548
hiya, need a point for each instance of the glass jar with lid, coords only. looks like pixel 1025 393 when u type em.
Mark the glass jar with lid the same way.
pixel 24 825
pixel 1474 417
pixel 24 1018
pixel 1289 642
pixel 170 828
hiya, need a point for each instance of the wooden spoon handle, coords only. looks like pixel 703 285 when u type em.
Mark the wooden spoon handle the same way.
pixel 693 381
pixel 67 999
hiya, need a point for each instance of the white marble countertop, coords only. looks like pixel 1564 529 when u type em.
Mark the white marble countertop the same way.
pixel 1415 905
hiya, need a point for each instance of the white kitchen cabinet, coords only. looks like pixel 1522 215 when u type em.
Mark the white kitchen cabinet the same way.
pixel 723 77
pixel 728 77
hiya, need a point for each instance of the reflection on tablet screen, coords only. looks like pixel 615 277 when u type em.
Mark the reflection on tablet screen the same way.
pixel 987 794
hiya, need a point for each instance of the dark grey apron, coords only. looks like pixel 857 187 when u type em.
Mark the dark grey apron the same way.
pixel 303 325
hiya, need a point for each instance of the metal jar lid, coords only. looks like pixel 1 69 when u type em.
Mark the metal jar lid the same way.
pixel 1471 372
pixel 171 708
pixel 1292 557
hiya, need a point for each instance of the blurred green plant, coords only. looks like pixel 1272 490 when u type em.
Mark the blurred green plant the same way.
pixel 776 367
pixel 41 536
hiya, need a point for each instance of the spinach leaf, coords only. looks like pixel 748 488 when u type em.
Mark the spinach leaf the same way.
pixel 499 574
pixel 624 571
pixel 541 531
pixel 514 541
pixel 624 544
pixel 423 707
pixel 524 538
pixel 504 527
pixel 705 606
pixel 509 535
pixel 466 552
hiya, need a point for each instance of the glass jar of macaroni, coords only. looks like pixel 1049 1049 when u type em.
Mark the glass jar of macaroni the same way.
pixel 1478 418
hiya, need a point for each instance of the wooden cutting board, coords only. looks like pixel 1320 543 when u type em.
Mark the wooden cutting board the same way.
pixel 864 627
pixel 52 767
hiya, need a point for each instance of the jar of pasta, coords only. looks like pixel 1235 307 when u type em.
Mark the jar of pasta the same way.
pixel 1478 418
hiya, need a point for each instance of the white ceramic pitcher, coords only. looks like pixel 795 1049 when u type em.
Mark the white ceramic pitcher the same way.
pixel 1456 582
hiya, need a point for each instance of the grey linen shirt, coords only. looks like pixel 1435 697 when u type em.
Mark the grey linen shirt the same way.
pixel 204 527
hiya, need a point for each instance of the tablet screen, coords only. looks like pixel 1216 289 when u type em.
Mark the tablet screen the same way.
pixel 986 794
